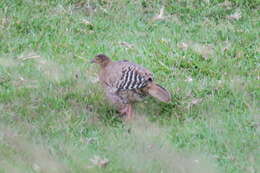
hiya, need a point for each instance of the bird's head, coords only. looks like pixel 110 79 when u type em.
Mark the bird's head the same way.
pixel 101 59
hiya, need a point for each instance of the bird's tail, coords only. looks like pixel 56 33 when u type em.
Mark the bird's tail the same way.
pixel 159 92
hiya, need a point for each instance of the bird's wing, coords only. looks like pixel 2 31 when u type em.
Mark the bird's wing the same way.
pixel 127 76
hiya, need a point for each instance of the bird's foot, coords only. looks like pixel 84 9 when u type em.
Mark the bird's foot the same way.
pixel 127 111
pixel 124 111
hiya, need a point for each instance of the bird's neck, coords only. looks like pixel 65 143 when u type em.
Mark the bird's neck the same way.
pixel 105 63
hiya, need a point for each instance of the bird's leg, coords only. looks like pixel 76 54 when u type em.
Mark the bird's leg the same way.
pixel 129 113
pixel 124 110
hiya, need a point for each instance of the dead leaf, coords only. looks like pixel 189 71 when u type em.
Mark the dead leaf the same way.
pixel 127 45
pixel 103 9
pixel 235 16
pixel 36 167
pixel 165 40
pixel 98 161
pixel 183 46
pixel 195 101
pixel 227 46
pixel 91 140
pixel 160 16
pixel 226 4
pixel 189 79
pixel 30 55
pixel 196 161
pixel 85 21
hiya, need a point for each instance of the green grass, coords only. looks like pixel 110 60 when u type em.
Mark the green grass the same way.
pixel 54 118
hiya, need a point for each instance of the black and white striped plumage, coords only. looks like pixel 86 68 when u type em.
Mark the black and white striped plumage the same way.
pixel 132 76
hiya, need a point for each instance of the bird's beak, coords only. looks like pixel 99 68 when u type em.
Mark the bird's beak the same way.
pixel 93 61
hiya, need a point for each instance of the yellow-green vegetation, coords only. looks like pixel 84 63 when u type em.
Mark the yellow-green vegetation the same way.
pixel 54 118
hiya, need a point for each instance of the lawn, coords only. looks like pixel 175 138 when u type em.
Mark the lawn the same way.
pixel 54 117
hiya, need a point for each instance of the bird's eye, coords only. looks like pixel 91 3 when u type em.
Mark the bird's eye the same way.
pixel 150 79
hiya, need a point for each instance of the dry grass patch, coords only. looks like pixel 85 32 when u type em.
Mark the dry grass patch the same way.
pixel 28 156
pixel 145 148
pixel 205 50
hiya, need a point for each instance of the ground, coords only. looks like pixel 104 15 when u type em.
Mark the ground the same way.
pixel 53 114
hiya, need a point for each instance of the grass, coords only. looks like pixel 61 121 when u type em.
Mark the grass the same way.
pixel 54 118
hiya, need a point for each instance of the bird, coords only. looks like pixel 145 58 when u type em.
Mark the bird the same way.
pixel 126 83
